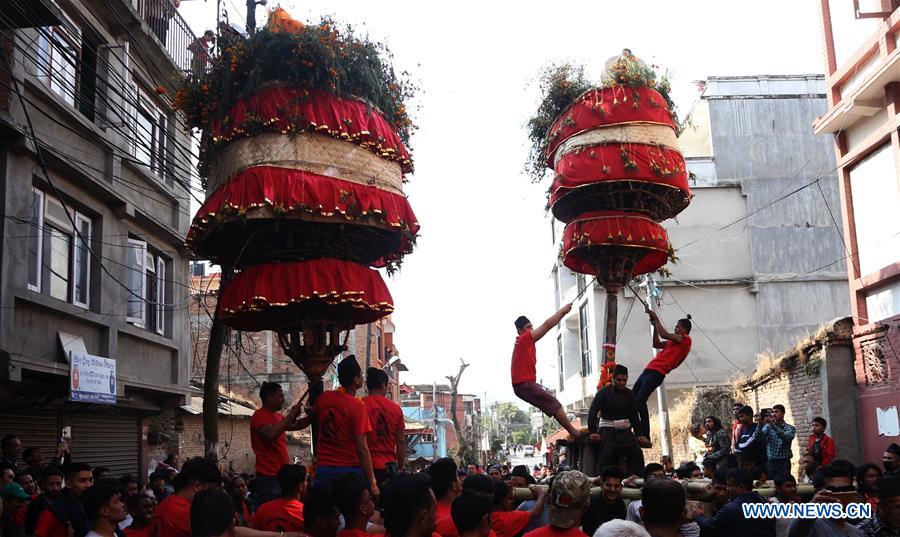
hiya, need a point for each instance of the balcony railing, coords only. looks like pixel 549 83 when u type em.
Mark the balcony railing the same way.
pixel 170 28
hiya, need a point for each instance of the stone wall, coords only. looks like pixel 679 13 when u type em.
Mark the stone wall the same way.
pixel 235 453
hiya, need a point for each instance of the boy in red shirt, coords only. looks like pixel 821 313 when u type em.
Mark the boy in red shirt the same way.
pixel 173 516
pixel 409 506
pixel 387 440
pixel 268 441
pixel 343 428
pixel 67 510
pixel 472 515
pixel 821 446
pixel 285 513
pixel 446 488
pixel 524 369
pixel 141 508
pixel 570 494
pixel 508 523
pixel 353 500
pixel 673 352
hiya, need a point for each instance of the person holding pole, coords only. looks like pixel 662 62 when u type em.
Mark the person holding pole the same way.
pixel 675 347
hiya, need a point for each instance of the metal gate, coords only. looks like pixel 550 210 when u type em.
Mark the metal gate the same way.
pixel 34 429
pixel 107 440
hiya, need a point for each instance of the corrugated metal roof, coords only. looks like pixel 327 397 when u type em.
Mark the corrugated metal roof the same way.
pixel 226 408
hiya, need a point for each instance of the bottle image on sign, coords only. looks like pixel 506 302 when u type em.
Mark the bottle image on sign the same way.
pixel 75 378
pixel 112 384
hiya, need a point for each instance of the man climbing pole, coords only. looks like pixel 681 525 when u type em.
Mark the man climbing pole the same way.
pixel 524 369
pixel 675 349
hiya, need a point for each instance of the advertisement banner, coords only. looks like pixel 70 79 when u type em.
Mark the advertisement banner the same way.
pixel 92 379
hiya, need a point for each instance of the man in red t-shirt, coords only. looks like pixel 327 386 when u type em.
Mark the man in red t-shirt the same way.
pixel 675 349
pixel 570 495
pixel 446 487
pixel 387 440
pixel 268 441
pixel 173 516
pixel 343 426
pixel 353 500
pixel 508 523
pixel 524 369
pixel 285 513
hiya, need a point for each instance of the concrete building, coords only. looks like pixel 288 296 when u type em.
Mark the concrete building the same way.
pixel 95 172
pixel 755 246
pixel 424 397
pixel 862 62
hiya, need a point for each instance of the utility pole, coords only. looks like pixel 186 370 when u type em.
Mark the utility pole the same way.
pixel 251 14
pixel 434 456
pixel 664 432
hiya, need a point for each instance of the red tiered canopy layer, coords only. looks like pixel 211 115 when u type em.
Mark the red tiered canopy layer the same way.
pixel 608 106
pixel 289 109
pixel 614 245
pixel 289 190
pixel 277 296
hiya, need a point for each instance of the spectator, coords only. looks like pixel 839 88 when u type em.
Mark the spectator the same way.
pixel 15 502
pixel 760 477
pixel 829 480
pixel 28 483
pixel 730 520
pixel 471 515
pixel 321 517
pixel 662 507
pixel 446 487
pixel 51 487
pixel 173 516
pixel 67 510
pixel 237 488
pixel 200 48
pixel 709 469
pixel 104 507
pixel 820 445
pixel 471 469
pixel 689 470
pixel 609 504
pixel 778 435
pixel 409 506
pixel 11 450
pixel 495 473
pixel 735 423
pixel 718 443
pixel 508 523
pixel 7 474
pixel 140 507
pixel 268 440
pixel 785 492
pixel 343 429
pixel 867 477
pixel 157 486
pixel 171 462
pixel 353 500
pixel 211 514
pixel 285 513
pixel 720 491
pixel 891 460
pixel 749 444
pixel 886 519
pixel 131 486
pixel 387 440
pixel 520 477
pixel 100 473
pixel 570 497
pixel 808 467
pixel 34 461
pixel 621 528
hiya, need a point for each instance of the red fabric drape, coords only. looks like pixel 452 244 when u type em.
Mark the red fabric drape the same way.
pixel 608 106
pixel 295 190
pixel 286 109
pixel 639 238
pixel 328 290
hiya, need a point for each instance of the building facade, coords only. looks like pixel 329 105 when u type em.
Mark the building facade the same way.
pixel 862 61
pixel 96 171
pixel 756 247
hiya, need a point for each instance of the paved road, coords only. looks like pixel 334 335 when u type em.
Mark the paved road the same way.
pixel 517 458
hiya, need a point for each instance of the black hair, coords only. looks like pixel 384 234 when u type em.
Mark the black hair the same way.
pixel 758 472
pixel 786 478
pixel 99 470
pixel 521 322
pixel 267 389
pixel 197 470
pixel 745 410
pixel 720 477
pixel 651 468
pixel 347 370
pixel 684 471
pixel 75 468
pixel 612 471
pixel 376 379
pixel 779 407
pixel 686 323
pixel 501 491
pixel 443 474
pixel 663 501
pixel 830 471
pixel 469 510
pixel 846 465
pixel 404 496
pixel 741 477
pixel 27 452
pixel 888 487
pixel 709 463
pixel 135 499
pixel 290 477
pixel 348 489
pixel 861 475
pixel 479 483
pixel 51 471
pixel 170 458
pixel 6 440
pixel 717 423
pixel 317 505
pixel 212 513
pixel 96 498
pixel 820 420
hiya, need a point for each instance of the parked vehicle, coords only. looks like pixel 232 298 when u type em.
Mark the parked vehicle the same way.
pixel 528 451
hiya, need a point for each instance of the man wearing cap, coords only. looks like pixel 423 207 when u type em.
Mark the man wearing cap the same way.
pixel 885 522
pixel 613 421
pixel 524 369
pixel 570 495
pixel 343 429
pixel 891 460
pixel 15 501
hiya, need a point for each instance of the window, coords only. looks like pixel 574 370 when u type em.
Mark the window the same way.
pixel 146 281
pixel 580 280
pixel 875 188
pixel 556 296
pixel 149 141
pixel 584 329
pixel 559 362
pixel 59 259
pixel 58 56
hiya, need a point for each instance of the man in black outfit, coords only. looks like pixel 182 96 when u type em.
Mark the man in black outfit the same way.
pixel 613 421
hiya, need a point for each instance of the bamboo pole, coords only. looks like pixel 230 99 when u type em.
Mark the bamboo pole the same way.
pixel 696 490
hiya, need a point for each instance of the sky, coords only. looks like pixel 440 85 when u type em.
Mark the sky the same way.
pixel 485 250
